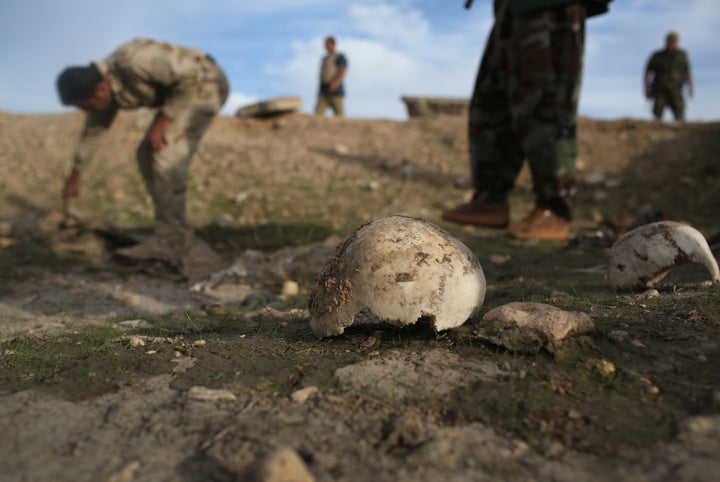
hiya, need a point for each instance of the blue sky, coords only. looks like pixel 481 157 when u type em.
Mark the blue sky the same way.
pixel 272 48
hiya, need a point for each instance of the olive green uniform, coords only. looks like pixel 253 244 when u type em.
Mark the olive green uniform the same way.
pixel 670 70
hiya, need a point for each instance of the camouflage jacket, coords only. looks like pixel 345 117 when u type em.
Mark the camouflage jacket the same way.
pixel 146 73
pixel 521 7
pixel 670 69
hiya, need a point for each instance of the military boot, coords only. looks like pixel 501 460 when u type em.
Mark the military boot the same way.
pixel 479 212
pixel 542 225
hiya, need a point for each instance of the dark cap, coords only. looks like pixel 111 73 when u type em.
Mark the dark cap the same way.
pixel 76 84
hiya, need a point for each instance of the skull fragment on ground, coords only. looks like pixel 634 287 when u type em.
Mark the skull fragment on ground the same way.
pixel 401 269
pixel 642 257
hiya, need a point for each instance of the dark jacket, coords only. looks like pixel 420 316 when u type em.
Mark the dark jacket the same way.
pixel 521 7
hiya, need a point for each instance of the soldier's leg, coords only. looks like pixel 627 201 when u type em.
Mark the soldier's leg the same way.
pixel 322 104
pixel 337 106
pixel 494 148
pixel 659 105
pixel 496 156
pixel 165 172
pixel 676 102
pixel 544 99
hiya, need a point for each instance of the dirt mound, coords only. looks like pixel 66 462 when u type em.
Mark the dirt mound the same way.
pixel 118 372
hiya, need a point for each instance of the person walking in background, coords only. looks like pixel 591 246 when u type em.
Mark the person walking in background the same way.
pixel 666 72
pixel 524 106
pixel 188 89
pixel 332 72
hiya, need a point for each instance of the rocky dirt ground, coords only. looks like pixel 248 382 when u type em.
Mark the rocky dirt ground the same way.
pixel 117 372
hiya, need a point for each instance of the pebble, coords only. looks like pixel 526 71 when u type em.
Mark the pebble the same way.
pixel 499 259
pixel 290 288
pixel 605 367
pixel 283 465
pixel 136 324
pixel 302 395
pixel 210 395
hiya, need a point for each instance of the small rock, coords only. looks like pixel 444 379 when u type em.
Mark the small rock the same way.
pixel 499 259
pixel 646 295
pixel 527 327
pixel 136 324
pixel 594 179
pixel 127 473
pixel 302 395
pixel 183 363
pixel 240 197
pixel 283 465
pixel 209 395
pixel 341 150
pixel 290 288
pixel 605 367
pixel 136 341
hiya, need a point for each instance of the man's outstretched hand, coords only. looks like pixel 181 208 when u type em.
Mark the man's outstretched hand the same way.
pixel 71 188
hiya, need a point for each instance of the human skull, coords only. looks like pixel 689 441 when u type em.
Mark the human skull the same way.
pixel 642 257
pixel 400 269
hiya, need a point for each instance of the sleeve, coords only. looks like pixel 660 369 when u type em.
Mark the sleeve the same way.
pixel 174 70
pixel 341 61
pixel 96 127
pixel 651 64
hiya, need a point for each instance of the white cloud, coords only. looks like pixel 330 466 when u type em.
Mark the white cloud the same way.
pixel 273 48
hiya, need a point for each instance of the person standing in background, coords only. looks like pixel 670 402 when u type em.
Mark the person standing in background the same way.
pixel 666 72
pixel 332 72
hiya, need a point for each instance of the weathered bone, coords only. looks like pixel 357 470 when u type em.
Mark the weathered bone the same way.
pixel 643 256
pixel 400 269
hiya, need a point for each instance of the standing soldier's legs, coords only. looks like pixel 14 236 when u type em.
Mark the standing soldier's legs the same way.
pixel 545 70
pixel 322 104
pixel 496 156
pixel 659 105
pixel 336 104
pixel 494 148
pixel 676 102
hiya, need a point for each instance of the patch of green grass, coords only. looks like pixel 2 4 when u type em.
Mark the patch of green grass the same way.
pixel 29 360
pixel 81 363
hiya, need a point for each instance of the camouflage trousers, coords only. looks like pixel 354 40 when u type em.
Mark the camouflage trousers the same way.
pixel 524 105
pixel 671 98
pixel 165 172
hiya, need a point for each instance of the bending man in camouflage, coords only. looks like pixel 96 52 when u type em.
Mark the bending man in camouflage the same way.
pixel 666 72
pixel 188 88
pixel 524 105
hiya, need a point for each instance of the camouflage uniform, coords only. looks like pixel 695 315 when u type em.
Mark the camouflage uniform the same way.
pixel 186 86
pixel 670 69
pixel 525 99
